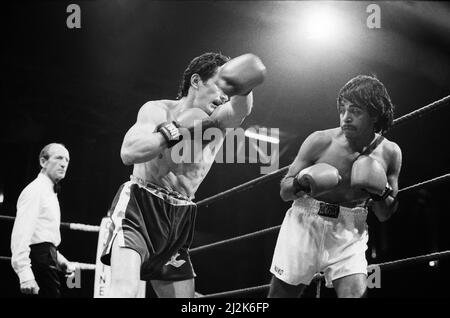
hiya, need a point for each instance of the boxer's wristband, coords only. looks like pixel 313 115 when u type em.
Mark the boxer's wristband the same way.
pixel 387 192
pixel 170 132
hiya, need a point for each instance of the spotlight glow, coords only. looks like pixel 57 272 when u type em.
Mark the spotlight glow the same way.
pixel 322 22
pixel 253 135
pixel 320 25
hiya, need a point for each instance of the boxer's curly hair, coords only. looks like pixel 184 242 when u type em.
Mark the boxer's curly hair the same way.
pixel 369 91
pixel 205 66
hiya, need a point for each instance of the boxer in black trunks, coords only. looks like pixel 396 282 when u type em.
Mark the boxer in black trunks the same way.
pixel 153 215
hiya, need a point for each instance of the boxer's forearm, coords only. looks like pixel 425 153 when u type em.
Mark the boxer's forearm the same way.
pixel 142 148
pixel 384 209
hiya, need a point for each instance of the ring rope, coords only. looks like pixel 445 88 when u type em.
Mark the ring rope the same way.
pixel 416 186
pixel 242 187
pixel 411 260
pixel 7 218
pixel 423 184
pixel 237 238
pixel 81 227
pixel 319 277
pixel 70 226
pixel 421 111
pixel 249 184
pixel 81 266
pixel 238 291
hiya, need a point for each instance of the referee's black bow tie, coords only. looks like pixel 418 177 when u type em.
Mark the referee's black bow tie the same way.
pixel 57 187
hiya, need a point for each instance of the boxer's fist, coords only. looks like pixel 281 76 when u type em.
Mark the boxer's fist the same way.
pixel 368 174
pixel 318 178
pixel 240 75
pixel 68 267
pixel 29 287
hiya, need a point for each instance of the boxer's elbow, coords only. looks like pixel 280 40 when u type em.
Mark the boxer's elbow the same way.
pixel 126 158
pixel 127 155
pixel 382 218
pixel 249 104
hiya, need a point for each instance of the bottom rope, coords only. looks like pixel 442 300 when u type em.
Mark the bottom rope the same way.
pixel 319 277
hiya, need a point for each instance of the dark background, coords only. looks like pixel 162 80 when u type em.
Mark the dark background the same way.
pixel 83 87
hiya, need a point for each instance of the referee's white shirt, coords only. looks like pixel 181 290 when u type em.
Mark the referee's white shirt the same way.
pixel 38 220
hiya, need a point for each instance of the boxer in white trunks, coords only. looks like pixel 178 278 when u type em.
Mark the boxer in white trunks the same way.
pixel 338 176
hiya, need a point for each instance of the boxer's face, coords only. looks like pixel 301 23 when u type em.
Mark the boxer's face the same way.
pixel 56 165
pixel 209 96
pixel 355 120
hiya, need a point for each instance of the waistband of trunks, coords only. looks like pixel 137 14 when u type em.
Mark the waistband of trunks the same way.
pixel 160 190
pixel 321 208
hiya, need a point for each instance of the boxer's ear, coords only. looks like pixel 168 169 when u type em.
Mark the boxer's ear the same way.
pixel 195 80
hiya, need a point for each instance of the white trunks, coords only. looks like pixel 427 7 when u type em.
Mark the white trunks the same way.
pixel 320 237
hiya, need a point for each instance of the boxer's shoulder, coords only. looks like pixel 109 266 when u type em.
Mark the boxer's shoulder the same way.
pixel 391 152
pixel 389 148
pixel 154 109
pixel 162 104
pixel 322 137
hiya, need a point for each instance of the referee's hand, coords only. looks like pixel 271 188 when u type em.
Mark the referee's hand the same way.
pixel 29 287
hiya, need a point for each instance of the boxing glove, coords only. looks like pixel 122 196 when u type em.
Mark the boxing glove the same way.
pixel 368 174
pixel 317 179
pixel 241 74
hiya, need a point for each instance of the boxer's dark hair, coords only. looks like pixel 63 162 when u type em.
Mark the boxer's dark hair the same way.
pixel 367 90
pixel 205 66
